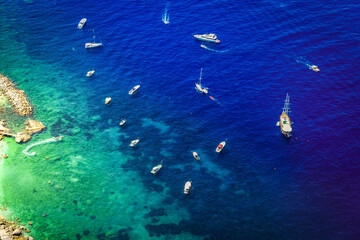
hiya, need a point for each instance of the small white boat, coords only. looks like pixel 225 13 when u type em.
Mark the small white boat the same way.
pixel 196 156
pixel 90 73
pixel 82 23
pixel 199 87
pixel 315 68
pixel 187 187
pixel 134 89
pixel 134 142
pixel 220 147
pixel 93 44
pixel 123 121
pixel 157 168
pixel 211 37
pixel 107 100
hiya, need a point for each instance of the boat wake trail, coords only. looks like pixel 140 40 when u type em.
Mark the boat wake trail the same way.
pixel 54 139
pixel 213 50
pixel 165 16
pixel 304 61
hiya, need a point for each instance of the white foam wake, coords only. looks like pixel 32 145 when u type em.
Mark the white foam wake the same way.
pixel 304 61
pixel 25 151
pixel 210 49
pixel 166 17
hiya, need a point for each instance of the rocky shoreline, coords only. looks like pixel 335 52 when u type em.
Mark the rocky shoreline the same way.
pixel 10 230
pixel 22 107
pixel 16 97
pixel 31 127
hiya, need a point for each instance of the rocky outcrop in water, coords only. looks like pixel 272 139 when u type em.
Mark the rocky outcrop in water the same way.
pixel 9 230
pixel 31 127
pixel 16 97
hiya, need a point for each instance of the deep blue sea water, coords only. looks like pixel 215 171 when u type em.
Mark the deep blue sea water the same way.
pixel 262 186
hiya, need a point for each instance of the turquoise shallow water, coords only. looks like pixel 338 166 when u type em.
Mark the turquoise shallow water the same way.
pixel 92 185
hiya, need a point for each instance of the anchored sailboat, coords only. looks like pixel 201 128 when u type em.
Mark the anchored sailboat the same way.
pixel 199 87
pixel 93 44
pixel 285 123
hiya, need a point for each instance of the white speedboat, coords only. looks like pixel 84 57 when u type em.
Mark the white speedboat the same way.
pixel 123 121
pixel 82 23
pixel 187 187
pixel 200 87
pixel 315 68
pixel 90 73
pixel 211 37
pixel 107 100
pixel 93 44
pixel 220 147
pixel 134 142
pixel 134 89
pixel 196 156
pixel 157 168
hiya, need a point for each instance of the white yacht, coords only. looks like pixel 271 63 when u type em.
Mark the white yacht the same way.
pixel 134 89
pixel 123 121
pixel 107 100
pixel 157 168
pixel 134 142
pixel 90 73
pixel 82 23
pixel 187 187
pixel 196 155
pixel 211 37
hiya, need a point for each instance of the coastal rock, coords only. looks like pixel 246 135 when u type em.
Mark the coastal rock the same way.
pixel 2 127
pixel 22 137
pixel 15 96
pixel 17 232
pixel 32 126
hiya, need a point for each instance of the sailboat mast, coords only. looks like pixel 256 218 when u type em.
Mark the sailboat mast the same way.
pixel 200 76
pixel 286 107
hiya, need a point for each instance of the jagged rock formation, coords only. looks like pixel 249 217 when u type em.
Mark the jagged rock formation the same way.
pixel 31 127
pixel 16 97
pixel 9 230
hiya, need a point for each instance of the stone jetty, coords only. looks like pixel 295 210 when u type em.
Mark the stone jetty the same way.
pixel 16 97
